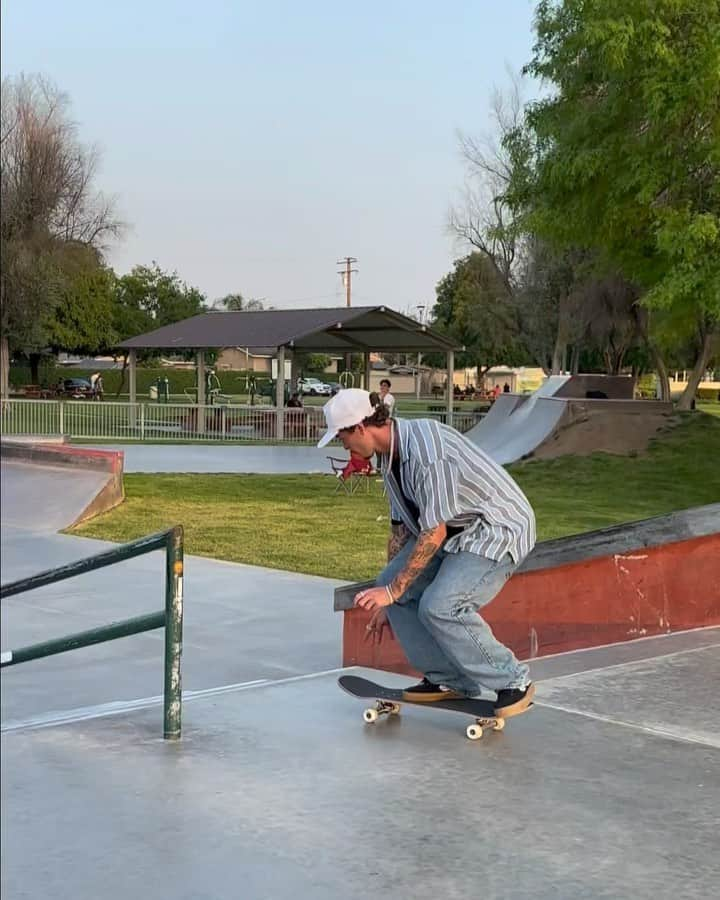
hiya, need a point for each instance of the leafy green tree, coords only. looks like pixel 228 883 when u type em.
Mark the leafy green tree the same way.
pixel 316 362
pixel 148 298
pixel 474 307
pixel 628 149
pixel 49 217
pixel 82 320
pixel 238 303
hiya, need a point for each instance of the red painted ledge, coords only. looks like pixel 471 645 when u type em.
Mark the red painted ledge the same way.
pixel 652 577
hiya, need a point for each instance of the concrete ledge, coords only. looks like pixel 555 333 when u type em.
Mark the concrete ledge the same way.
pixel 64 456
pixel 61 454
pixel 656 576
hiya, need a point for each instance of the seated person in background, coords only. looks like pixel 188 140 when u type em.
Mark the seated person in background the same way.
pixel 295 402
pixel 359 465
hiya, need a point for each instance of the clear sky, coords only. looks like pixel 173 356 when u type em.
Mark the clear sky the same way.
pixel 250 145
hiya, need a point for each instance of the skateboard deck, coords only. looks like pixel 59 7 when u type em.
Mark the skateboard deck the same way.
pixel 388 702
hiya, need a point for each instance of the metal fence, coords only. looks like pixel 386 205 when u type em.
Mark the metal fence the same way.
pixel 173 422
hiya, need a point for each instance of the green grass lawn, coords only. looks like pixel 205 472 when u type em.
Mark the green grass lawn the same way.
pixel 298 523
pixel 712 407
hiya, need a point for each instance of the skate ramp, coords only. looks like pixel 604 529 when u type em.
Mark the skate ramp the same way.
pixel 513 427
pixel 528 426
pixel 58 485
pixel 495 416
pixel 46 498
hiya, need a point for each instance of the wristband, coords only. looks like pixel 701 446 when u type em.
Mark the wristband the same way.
pixel 389 593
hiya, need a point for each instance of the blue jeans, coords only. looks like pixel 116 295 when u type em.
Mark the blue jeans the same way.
pixel 437 624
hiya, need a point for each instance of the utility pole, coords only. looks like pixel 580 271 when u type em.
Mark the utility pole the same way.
pixel 347 274
pixel 421 320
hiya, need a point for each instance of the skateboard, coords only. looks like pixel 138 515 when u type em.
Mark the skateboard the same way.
pixel 388 702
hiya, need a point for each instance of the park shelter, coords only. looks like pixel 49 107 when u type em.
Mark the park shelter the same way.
pixel 358 329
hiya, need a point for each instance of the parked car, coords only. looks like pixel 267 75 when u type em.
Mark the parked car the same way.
pixel 313 386
pixel 77 388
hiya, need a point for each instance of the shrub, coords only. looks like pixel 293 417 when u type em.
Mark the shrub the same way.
pixel 178 379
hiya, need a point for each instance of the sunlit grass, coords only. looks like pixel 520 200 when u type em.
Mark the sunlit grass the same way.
pixel 299 523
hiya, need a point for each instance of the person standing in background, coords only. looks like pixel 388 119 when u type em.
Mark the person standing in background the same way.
pixel 386 397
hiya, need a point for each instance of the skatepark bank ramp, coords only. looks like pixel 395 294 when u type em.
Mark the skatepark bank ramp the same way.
pixel 553 422
pixel 93 482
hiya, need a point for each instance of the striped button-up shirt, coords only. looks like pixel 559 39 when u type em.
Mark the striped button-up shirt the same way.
pixel 449 479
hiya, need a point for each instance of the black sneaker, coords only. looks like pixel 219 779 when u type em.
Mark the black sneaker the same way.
pixel 513 702
pixel 427 692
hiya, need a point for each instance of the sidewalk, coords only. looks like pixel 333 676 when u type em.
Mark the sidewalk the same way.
pixel 277 459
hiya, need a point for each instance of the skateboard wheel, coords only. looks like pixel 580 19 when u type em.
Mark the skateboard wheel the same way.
pixel 370 715
pixel 474 732
pixel 499 725
pixel 395 709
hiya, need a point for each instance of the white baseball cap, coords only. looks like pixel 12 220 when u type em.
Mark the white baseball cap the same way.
pixel 347 408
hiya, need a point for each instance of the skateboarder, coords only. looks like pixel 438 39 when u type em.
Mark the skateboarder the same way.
pixel 460 527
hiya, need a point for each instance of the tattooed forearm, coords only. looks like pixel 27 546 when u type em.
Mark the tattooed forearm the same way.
pixel 427 545
pixel 399 536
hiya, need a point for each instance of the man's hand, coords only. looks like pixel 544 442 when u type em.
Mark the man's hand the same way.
pixel 375 628
pixel 373 598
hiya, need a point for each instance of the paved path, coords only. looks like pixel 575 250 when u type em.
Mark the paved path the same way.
pixel 608 788
pixel 241 622
pixel 242 458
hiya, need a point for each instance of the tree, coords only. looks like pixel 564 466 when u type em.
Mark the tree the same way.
pixel 315 362
pixel 148 298
pixel 238 303
pixel 486 221
pixel 628 149
pixel 474 308
pixel 537 278
pixel 544 310
pixel 49 212
pixel 82 322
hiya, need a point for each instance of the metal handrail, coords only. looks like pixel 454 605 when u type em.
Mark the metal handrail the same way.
pixel 171 618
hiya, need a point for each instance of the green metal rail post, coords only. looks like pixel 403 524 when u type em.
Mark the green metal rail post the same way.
pixel 171 617
pixel 173 634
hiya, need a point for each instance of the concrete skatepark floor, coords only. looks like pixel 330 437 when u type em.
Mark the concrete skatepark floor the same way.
pixel 609 788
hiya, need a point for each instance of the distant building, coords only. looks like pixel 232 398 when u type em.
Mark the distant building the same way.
pixel 257 360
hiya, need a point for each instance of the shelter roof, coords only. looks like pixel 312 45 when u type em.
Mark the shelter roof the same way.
pixel 327 330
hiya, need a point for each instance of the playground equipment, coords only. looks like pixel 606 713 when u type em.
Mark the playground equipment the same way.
pixel 160 391
pixel 213 390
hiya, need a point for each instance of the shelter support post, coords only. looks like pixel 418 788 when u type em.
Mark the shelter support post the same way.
pixel 280 394
pixel 201 398
pixel 366 360
pixel 132 386
pixel 450 381
pixel 294 372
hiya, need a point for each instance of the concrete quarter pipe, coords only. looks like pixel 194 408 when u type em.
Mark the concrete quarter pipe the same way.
pixel 517 424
